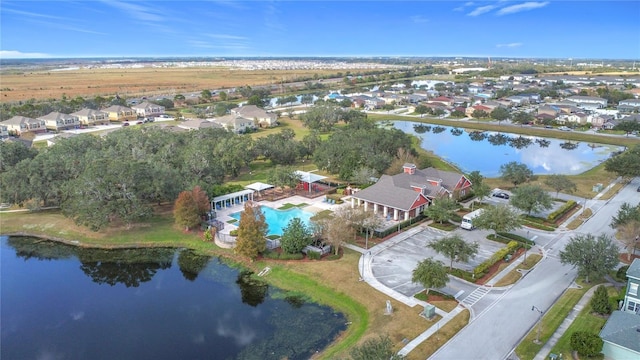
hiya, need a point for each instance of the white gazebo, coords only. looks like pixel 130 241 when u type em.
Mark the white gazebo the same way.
pixel 258 187
pixel 309 178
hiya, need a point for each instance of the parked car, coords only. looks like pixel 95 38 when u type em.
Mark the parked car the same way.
pixel 638 188
pixel 501 195
pixel 125 124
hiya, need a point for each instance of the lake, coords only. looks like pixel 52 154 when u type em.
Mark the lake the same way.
pixel 64 302
pixel 486 151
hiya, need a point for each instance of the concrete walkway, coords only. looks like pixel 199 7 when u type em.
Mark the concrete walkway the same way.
pixel 584 301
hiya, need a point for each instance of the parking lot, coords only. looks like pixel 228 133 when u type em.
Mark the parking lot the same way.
pixel 393 266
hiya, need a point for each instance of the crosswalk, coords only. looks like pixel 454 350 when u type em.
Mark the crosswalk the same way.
pixel 475 296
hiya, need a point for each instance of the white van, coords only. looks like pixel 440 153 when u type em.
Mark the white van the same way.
pixel 467 220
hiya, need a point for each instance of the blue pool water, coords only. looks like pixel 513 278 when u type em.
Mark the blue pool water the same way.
pixel 279 219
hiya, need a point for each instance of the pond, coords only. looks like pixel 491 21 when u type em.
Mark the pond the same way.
pixel 486 151
pixel 64 302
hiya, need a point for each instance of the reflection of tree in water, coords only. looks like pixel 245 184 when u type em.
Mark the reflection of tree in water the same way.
pixel 252 290
pixel 421 128
pixel 30 247
pixel 438 129
pixel 520 142
pixel 130 267
pixel 477 135
pixel 456 132
pixel 191 263
pixel 543 142
pixel 568 145
pixel 498 139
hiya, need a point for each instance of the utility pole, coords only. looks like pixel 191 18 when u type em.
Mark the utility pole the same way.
pixel 534 308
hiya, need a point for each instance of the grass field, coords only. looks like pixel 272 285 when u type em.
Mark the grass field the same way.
pixel 43 85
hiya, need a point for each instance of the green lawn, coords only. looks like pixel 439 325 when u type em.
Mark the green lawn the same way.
pixel 585 321
pixel 527 349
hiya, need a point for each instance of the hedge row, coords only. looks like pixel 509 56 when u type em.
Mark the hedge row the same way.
pixel 568 206
pixel 282 256
pixel 538 225
pixel 515 237
pixel 483 268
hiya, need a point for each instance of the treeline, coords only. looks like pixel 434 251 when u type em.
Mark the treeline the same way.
pixel 119 177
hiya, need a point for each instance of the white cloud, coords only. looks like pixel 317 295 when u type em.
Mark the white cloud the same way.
pixel 509 45
pixel 419 19
pixel 463 6
pixel 32 14
pixel 137 11
pixel 481 10
pixel 226 37
pixel 15 54
pixel 522 7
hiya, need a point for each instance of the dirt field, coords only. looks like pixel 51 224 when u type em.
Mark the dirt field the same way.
pixel 136 82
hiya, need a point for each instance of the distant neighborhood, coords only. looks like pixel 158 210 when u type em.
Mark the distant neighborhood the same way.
pixel 568 101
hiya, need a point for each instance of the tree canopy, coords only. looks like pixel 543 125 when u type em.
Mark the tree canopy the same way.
pixel 626 164
pixel 441 209
pixel 531 198
pixel 295 236
pixel 499 218
pixel 594 257
pixel 455 248
pixel 252 230
pixel 430 274
pixel 515 173
pixel 559 183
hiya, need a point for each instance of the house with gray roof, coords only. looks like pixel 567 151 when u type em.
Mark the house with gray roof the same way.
pixel 199 124
pixel 57 121
pixel 18 125
pixel 147 109
pixel 583 101
pixel 235 123
pixel 92 117
pixel 260 116
pixel 621 333
pixel 406 195
pixel 629 106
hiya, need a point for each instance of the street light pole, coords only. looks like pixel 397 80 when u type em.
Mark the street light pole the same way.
pixel 534 308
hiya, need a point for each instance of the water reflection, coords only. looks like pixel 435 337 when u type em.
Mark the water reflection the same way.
pixel 253 290
pixel 191 264
pixel 542 155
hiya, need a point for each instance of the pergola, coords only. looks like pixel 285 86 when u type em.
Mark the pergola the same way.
pixel 309 178
pixel 258 186
pixel 229 200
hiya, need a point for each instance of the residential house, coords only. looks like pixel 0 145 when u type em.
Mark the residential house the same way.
pixel 147 109
pixel 235 123
pixel 443 100
pixel 629 106
pixel 551 110
pixel 577 118
pixel 588 101
pixel 406 195
pixel 90 117
pixel 260 116
pixel 469 111
pixel 58 121
pixel 621 332
pixel 373 103
pixel 517 100
pixel 598 120
pixel 18 125
pixel 121 113
pixel 199 124
pixel 415 98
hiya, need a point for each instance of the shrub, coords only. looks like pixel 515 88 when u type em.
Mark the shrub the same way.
pixel 313 255
pixel 285 256
pixel 271 255
pixel 621 274
pixel 568 206
pixel 233 232
pixel 482 269
pixel 585 343
pixel 600 301
pixel 505 237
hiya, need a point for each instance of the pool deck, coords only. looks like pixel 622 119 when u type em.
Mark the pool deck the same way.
pixel 314 206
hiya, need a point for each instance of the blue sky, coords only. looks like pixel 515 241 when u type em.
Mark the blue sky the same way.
pixel 554 29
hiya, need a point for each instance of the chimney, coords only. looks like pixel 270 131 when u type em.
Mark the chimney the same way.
pixel 409 168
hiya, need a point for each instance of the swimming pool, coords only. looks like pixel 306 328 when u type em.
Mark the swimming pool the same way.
pixel 279 219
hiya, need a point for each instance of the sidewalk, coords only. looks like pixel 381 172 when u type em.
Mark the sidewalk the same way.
pixel 584 301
